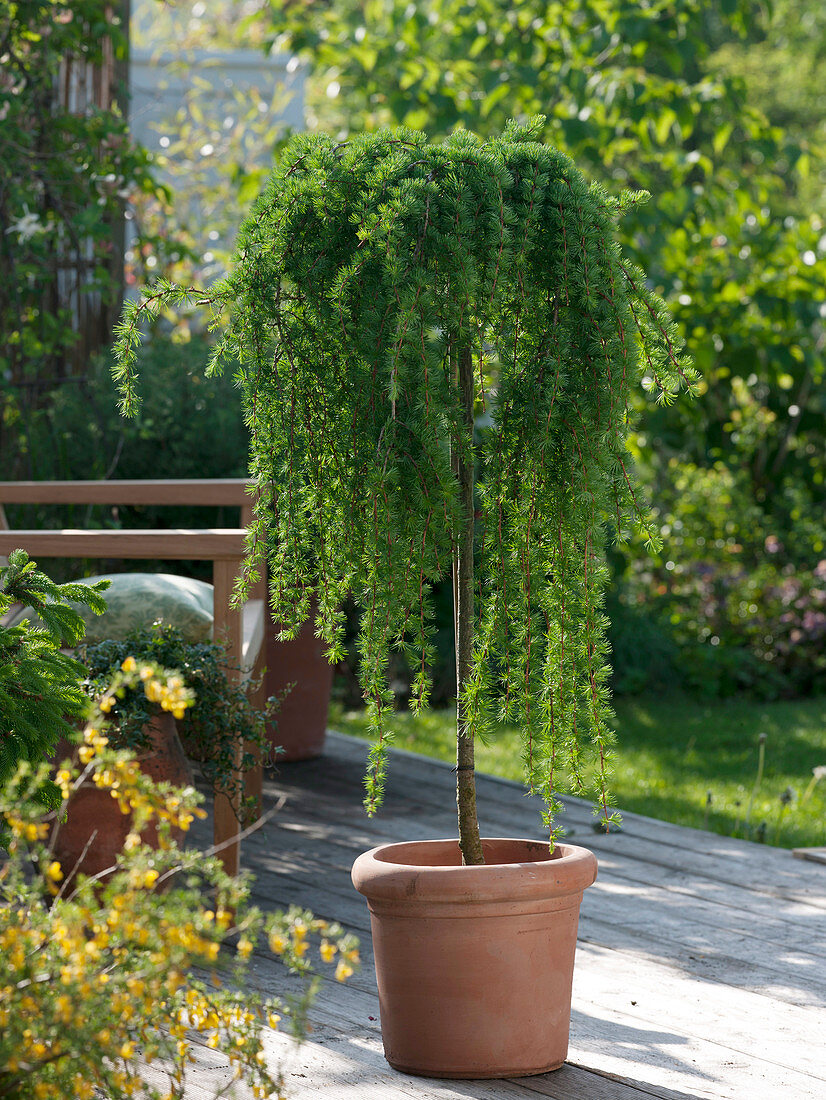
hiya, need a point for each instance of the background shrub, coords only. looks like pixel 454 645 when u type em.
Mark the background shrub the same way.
pixel 742 600
pixel 189 426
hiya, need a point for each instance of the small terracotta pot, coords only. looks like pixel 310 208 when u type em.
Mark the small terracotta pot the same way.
pixel 301 721
pixel 474 964
pixel 95 829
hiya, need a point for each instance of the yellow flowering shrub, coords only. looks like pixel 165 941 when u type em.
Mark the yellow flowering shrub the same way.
pixel 101 978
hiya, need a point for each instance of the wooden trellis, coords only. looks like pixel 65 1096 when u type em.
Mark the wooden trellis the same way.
pixel 82 87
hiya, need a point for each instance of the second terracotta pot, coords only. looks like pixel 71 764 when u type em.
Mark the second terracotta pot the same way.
pixel 302 667
pixel 474 964
pixel 95 829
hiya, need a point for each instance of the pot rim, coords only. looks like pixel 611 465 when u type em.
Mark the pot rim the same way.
pixel 390 871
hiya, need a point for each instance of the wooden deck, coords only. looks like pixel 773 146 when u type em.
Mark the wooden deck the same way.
pixel 701 970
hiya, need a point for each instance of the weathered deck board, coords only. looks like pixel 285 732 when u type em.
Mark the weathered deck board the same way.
pixel 701 971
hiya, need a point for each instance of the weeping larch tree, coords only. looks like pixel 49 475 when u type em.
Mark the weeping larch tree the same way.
pixel 437 345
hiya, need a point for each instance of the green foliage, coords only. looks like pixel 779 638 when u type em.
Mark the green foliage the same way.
pixel 443 62
pixel 780 63
pixel 644 654
pixel 750 303
pixel 211 727
pixel 40 686
pixel 362 273
pixel 64 174
pixel 744 601
pixel 661 97
pixel 631 92
pixel 188 427
pixel 719 111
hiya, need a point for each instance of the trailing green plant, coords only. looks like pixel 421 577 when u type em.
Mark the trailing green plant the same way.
pixel 384 292
pixel 40 686
pixel 105 986
pixel 220 716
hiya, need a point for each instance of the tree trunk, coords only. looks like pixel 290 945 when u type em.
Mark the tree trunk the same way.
pixel 464 618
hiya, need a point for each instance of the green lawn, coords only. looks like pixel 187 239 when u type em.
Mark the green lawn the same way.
pixel 672 753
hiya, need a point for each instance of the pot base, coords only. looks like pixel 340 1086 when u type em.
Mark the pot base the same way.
pixel 500 1073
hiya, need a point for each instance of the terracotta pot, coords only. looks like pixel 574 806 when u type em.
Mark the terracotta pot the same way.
pixel 301 721
pixel 474 964
pixel 94 831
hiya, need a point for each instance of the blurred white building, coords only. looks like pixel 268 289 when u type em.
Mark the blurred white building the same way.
pixel 213 115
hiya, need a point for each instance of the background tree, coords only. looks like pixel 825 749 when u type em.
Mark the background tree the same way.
pixel 66 167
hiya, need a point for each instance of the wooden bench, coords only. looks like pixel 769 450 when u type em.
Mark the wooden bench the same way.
pixel 244 631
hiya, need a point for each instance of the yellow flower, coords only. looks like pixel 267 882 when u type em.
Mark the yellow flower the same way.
pixel 153 691
pixel 278 943
pixel 54 872
pixel 129 665
pixel 343 971
pixel 327 951
pixel 244 947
